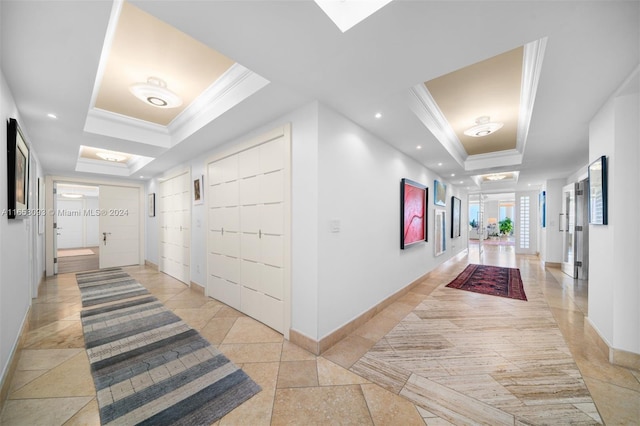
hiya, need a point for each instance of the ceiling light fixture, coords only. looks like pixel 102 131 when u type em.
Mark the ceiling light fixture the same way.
pixel 52 115
pixel 378 115
pixel 483 127
pixel 419 147
pixel 439 164
pixel 155 93
pixel 494 177
pixel 111 156
pixel 69 195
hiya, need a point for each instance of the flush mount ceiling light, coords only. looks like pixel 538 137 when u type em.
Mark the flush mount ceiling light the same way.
pixel 155 93
pixel 483 127
pixel 111 156
pixel 69 195
pixel 495 177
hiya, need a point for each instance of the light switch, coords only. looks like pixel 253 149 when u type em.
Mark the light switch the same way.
pixel 334 225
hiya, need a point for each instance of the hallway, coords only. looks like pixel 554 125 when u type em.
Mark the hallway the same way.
pixel 53 385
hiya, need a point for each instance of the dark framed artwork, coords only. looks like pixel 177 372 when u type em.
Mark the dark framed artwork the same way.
pixel 440 193
pixel 543 208
pixel 198 190
pixel 456 210
pixel 413 213
pixel 440 237
pixel 17 172
pixel 598 192
pixel 152 204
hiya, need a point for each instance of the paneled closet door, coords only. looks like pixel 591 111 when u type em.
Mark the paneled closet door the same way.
pixel 223 281
pixel 175 220
pixel 262 187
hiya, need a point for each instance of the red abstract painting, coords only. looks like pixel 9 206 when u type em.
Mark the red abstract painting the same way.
pixel 414 200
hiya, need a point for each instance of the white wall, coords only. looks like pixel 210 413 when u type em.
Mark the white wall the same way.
pixel 614 288
pixel 20 244
pixel 339 171
pixel 359 186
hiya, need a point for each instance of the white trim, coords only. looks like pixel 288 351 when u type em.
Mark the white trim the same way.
pixel 505 158
pixel 531 68
pixel 425 107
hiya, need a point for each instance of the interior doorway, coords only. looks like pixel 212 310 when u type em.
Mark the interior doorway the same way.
pixel 76 237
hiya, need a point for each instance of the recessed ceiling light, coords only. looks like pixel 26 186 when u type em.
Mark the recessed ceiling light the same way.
pixel 69 195
pixel 528 184
pixel 141 177
pixel 155 93
pixel 483 127
pixel 439 164
pixel 453 174
pixel 419 147
pixel 378 115
pixel 52 115
pixel 461 182
pixel 111 156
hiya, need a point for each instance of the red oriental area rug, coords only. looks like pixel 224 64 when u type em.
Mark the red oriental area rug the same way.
pixel 493 280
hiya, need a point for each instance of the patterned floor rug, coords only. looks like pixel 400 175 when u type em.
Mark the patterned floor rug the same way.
pixel 493 280
pixel 107 285
pixel 150 367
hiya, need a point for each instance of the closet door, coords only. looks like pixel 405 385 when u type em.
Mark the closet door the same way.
pixel 175 235
pixel 223 281
pixel 262 188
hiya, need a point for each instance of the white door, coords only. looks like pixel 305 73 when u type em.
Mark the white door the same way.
pixel 526 215
pixel 248 249
pixel 262 204
pixel 70 224
pixel 175 233
pixel 567 228
pixel 119 226
pixel 223 258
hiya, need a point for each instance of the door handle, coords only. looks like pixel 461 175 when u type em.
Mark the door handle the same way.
pixel 560 222
pixel 104 237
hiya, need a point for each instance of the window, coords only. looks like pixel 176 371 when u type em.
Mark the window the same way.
pixel 524 222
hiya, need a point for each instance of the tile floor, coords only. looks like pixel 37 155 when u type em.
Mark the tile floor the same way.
pixel 53 385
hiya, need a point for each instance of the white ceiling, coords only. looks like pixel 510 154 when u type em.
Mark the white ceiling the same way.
pixel 50 53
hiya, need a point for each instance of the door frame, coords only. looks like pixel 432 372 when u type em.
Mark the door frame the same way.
pixel 171 174
pixel 49 183
pixel 280 131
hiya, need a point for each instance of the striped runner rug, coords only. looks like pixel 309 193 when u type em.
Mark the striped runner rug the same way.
pixel 107 285
pixel 149 367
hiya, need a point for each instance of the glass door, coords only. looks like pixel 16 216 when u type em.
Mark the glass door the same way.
pixel 567 227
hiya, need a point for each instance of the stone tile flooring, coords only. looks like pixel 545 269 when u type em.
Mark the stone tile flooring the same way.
pixel 53 385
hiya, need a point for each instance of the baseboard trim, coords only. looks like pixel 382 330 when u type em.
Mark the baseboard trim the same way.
pixel 13 361
pixel 552 265
pixel 318 347
pixel 150 264
pixel 615 356
pixel 197 288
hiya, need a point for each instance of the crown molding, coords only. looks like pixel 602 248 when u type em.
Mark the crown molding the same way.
pixel 531 68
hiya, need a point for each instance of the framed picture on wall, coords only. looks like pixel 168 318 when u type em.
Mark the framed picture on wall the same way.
pixel 440 238
pixel 440 193
pixel 598 192
pixel 198 190
pixel 17 172
pixel 413 213
pixel 152 204
pixel 456 211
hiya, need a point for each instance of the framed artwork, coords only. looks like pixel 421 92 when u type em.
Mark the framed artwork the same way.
pixel 152 204
pixel 543 208
pixel 198 190
pixel 598 192
pixel 17 172
pixel 440 193
pixel 413 213
pixel 440 237
pixel 456 209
